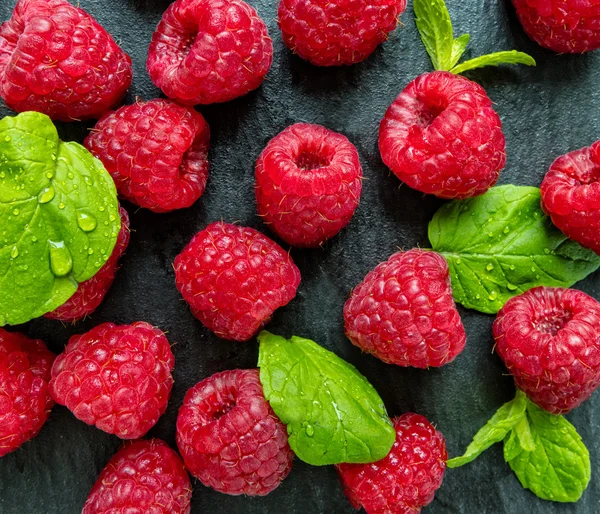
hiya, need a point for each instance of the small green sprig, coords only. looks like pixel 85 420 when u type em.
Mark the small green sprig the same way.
pixel 435 27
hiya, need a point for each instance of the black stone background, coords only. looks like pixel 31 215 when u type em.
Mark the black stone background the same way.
pixel 546 112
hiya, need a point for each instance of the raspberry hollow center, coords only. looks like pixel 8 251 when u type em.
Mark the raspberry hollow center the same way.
pixel 589 175
pixel 550 322
pixel 224 408
pixel 311 161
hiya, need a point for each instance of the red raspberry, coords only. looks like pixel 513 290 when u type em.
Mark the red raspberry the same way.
pixel 208 51
pixel 308 184
pixel 332 33
pixel 549 339
pixel 24 400
pixel 564 26
pixel 142 477
pixel 89 294
pixel 56 59
pixel 234 278
pixel 441 136
pixel 115 377
pixel 407 478
pixel 571 195
pixel 155 151
pixel 403 312
pixel 229 436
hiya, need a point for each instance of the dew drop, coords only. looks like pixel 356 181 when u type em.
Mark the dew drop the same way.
pixel 490 234
pixel 86 221
pixel 458 261
pixel 492 296
pixel 70 175
pixel 506 230
pixel 546 251
pixel 16 212
pixel 489 266
pixel 14 253
pixel 310 431
pixel 511 287
pixel 7 139
pixel 53 157
pixel 478 297
pixel 46 195
pixel 512 267
pixel 532 268
pixel 90 251
pixel 61 262
pixel 49 174
pixel 61 205
pixel 34 239
pixel 101 208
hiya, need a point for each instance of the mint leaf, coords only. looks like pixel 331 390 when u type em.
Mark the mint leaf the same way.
pixel 495 59
pixel 58 216
pixel 459 46
pixel 558 466
pixel 435 27
pixel 501 244
pixel 333 414
pixel 494 431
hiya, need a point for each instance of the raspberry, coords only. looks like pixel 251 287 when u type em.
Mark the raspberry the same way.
pixel 571 195
pixel 441 136
pixel 403 312
pixel 332 33
pixel 564 26
pixel 24 400
pixel 229 436
pixel 208 51
pixel 89 294
pixel 115 377
pixel 549 339
pixel 143 476
pixel 155 151
pixel 407 478
pixel 308 184
pixel 56 59
pixel 234 278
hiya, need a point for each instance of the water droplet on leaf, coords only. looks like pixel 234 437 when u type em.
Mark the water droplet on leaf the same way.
pixel 310 431
pixel 46 195
pixel 14 253
pixel 511 287
pixel 86 221
pixel 489 266
pixel 492 296
pixel 16 212
pixel 61 262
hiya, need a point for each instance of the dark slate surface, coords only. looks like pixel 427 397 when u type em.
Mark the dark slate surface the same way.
pixel 546 111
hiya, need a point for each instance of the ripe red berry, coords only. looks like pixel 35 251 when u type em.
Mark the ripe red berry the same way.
pixel 115 377
pixel 403 312
pixel 308 184
pixel 564 26
pixel 89 294
pixel 571 195
pixel 441 136
pixel 229 436
pixel 24 400
pixel 142 477
pixel 56 59
pixel 208 51
pixel 407 478
pixel 332 33
pixel 156 152
pixel 234 278
pixel 549 339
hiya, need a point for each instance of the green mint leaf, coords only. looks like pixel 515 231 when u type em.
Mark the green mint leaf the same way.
pixel 435 27
pixel 557 468
pixel 495 59
pixel 501 244
pixel 494 431
pixel 58 213
pixel 459 46
pixel 333 414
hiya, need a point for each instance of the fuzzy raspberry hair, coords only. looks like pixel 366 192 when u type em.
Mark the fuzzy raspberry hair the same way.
pixel 441 136
pixel 56 59
pixel 571 195
pixel 24 399
pixel 230 438
pixel 564 26
pixel 308 184
pixel 332 33
pixel 155 151
pixel 209 51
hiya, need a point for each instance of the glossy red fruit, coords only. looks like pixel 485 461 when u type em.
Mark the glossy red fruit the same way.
pixel 407 478
pixel 229 436
pixel 549 339
pixel 441 136
pixel 155 151
pixel 24 400
pixel 308 184
pixel 208 51
pixel 89 294
pixel 564 26
pixel 117 377
pixel 403 312
pixel 56 59
pixel 571 195
pixel 234 278
pixel 142 477
pixel 336 32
